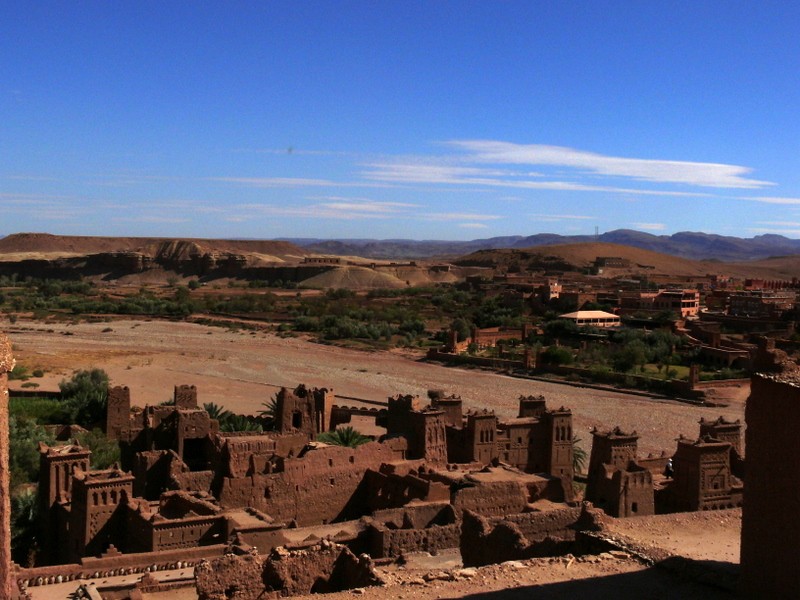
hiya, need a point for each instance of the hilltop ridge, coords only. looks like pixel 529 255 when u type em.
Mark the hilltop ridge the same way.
pixel 686 244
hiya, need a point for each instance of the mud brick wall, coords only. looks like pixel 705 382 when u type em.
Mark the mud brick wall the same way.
pixel 6 364
pixel 770 523
pixel 185 396
pixel 418 516
pixel 493 499
pixel 536 526
pixel 188 533
pixel 193 481
pixel 390 543
pixel 239 575
pixel 118 413
pixel 323 568
pixel 390 490
pixel 517 537
pixel 319 487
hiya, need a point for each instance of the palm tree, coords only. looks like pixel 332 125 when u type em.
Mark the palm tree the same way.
pixel 215 411
pixel 269 413
pixel 24 526
pixel 344 436
pixel 236 422
pixel 270 410
pixel 578 456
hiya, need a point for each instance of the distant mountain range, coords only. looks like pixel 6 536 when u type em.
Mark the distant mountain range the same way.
pixel 687 244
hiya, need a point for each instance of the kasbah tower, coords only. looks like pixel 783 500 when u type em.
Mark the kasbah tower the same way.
pixel 6 364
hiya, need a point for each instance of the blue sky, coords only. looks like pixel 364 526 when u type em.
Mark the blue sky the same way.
pixel 424 120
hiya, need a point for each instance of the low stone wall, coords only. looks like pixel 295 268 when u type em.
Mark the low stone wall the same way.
pixel 325 567
pixel 391 543
pixel 480 361
pixel 721 383
pixel 116 564
pixel 536 526
pixel 522 536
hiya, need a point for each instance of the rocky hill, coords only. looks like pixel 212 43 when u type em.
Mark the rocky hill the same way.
pixel 687 244
pixel 67 245
pixel 44 255
pixel 157 260
pixel 580 257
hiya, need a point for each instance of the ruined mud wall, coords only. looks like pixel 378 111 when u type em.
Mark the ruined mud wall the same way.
pixel 391 543
pixel 770 522
pixel 325 567
pixel 493 498
pixel 516 537
pixel 426 527
pixel 319 487
pixel 6 364
pixel 389 489
pixel 536 526
pixel 232 576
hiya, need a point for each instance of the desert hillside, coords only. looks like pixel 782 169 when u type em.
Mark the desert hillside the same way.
pixel 580 256
pixel 50 246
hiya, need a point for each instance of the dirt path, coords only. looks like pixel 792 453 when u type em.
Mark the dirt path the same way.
pixel 241 370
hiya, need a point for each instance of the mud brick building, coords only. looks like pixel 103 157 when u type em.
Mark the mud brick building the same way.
pixel 616 483
pixel 703 478
pixel 770 527
pixel 706 474
pixel 184 484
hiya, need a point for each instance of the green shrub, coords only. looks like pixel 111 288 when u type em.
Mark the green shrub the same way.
pixel 43 410
pixel 557 355
pixel 85 397
pixel 19 373
pixel 105 452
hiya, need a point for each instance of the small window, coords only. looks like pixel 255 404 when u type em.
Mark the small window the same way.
pixel 635 507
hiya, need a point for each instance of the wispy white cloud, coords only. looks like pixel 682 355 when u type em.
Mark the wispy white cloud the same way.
pixel 545 217
pixel 417 173
pixel 472 217
pixel 650 226
pixel 473 225
pixel 702 174
pixel 364 205
pixel 779 224
pixel 293 182
pixel 150 219
pixel 772 200
pixel 29 178
pixel 269 182
pixel 323 210
pixel 31 199
pixel 182 205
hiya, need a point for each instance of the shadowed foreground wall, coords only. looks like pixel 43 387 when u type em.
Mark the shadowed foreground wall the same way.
pixel 6 364
pixel 771 509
